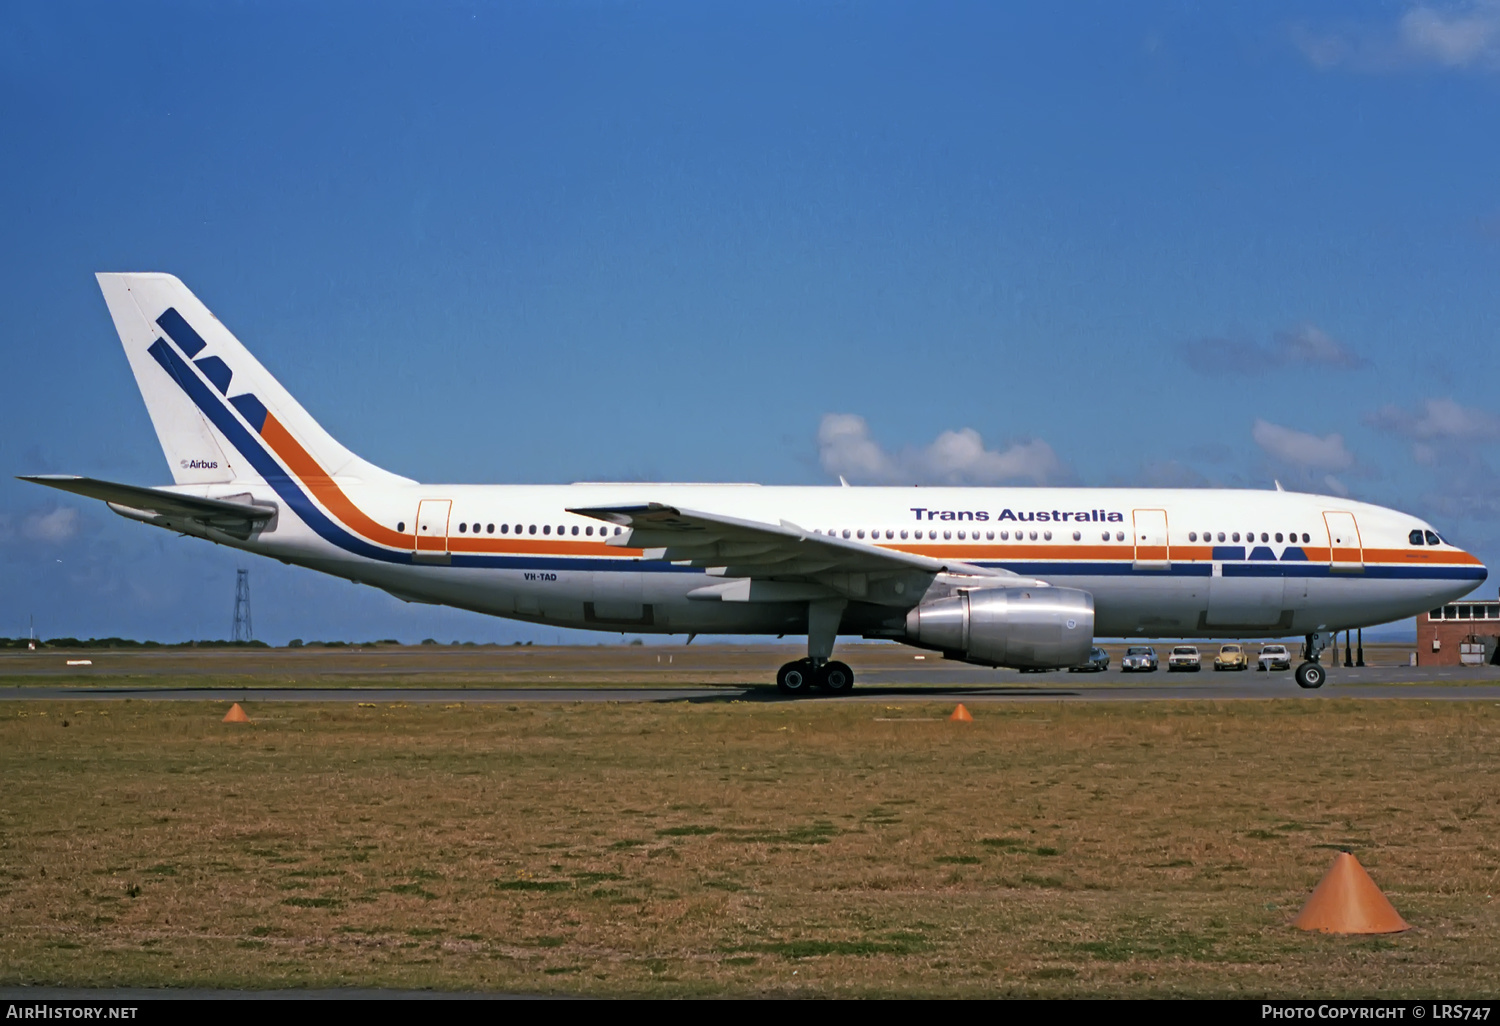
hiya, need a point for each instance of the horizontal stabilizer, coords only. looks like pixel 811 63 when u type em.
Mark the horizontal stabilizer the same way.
pixel 239 519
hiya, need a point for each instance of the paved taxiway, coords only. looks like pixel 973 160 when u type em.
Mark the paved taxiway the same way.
pixel 1369 683
pixel 713 673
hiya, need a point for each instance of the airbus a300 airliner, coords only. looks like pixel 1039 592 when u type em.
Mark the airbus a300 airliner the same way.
pixel 1012 577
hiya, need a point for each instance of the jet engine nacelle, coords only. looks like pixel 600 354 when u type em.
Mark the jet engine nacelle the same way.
pixel 1019 627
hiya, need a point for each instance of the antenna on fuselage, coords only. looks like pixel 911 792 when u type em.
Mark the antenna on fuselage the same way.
pixel 1278 485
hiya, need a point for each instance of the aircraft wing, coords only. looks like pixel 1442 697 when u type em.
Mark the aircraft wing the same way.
pixel 733 548
pixel 157 505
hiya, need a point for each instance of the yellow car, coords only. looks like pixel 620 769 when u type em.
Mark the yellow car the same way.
pixel 1232 657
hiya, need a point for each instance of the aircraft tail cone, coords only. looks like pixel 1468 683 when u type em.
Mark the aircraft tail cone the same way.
pixel 960 715
pixel 1346 900
pixel 236 715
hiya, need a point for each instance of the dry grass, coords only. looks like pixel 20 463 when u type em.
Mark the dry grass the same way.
pixel 1044 849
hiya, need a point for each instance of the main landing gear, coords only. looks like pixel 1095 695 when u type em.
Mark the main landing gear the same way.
pixel 801 676
pixel 817 670
pixel 1311 674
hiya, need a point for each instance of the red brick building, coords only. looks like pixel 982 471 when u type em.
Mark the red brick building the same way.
pixel 1459 633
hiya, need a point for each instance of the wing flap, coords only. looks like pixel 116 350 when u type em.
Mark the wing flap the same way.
pixel 734 548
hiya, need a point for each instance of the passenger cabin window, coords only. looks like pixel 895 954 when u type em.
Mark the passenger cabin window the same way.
pixel 462 528
pixel 401 525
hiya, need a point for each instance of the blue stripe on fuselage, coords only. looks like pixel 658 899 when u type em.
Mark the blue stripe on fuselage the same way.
pixel 285 486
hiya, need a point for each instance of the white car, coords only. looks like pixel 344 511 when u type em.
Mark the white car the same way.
pixel 1139 658
pixel 1184 657
pixel 1274 657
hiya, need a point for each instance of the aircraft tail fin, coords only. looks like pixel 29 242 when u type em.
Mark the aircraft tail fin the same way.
pixel 220 415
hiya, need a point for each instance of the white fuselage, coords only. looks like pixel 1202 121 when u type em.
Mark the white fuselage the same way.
pixel 1152 558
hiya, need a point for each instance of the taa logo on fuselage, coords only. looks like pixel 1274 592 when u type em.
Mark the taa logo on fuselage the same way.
pixel 198 464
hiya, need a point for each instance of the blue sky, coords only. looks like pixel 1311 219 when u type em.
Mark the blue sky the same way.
pixel 1087 243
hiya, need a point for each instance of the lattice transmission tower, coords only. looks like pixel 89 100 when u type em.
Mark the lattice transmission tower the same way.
pixel 243 631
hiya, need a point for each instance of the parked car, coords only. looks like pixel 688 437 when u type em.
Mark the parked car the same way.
pixel 1274 657
pixel 1139 659
pixel 1232 657
pixel 1185 658
pixel 1097 661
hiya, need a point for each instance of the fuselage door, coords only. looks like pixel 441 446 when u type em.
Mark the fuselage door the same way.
pixel 1151 551
pixel 432 530
pixel 1346 553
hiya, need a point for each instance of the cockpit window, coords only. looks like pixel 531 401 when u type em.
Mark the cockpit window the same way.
pixel 1415 537
pixel 1433 539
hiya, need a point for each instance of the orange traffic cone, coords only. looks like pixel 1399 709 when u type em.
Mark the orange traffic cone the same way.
pixel 960 715
pixel 1346 900
pixel 236 715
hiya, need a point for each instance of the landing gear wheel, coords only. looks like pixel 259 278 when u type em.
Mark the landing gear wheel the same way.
pixel 1310 675
pixel 836 678
pixel 795 678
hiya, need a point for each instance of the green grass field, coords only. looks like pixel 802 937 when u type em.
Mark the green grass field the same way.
pixel 727 848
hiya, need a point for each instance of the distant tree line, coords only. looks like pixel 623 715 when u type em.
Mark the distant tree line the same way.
pixel 125 643
pixel 294 643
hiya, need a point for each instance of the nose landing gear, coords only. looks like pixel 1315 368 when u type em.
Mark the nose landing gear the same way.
pixel 1310 674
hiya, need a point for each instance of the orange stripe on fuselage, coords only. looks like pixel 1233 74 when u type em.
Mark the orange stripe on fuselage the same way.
pixel 306 469
pixel 326 490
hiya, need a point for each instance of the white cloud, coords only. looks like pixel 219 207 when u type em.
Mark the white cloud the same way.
pixel 1309 344
pixel 1439 427
pixel 1302 450
pixel 1456 37
pixel 1465 35
pixel 955 457
pixel 56 526
pixel 1304 345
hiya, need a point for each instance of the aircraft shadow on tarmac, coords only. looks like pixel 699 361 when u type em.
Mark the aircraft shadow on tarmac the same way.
pixel 769 693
